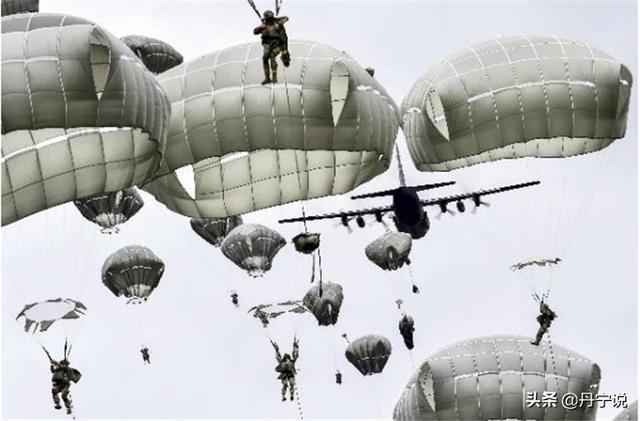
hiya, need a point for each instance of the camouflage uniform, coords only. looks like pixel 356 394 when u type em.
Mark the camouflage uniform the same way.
pixel 274 42
pixel 61 380
pixel 287 369
pixel 545 318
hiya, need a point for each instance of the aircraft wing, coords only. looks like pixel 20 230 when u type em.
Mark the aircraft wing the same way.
pixel 476 196
pixel 346 214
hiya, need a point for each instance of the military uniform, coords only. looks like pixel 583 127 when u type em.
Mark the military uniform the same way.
pixel 274 42
pixel 61 380
pixel 287 369
pixel 545 318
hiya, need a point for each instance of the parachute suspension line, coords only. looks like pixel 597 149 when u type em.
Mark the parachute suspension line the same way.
pixel 255 9
pixel 553 360
pixel 296 390
pixel 286 91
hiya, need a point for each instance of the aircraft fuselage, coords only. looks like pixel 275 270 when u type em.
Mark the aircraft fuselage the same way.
pixel 409 215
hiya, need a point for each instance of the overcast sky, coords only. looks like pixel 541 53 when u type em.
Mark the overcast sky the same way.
pixel 212 360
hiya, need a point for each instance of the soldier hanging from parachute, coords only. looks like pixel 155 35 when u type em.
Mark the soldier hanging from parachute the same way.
pixel 274 41
pixel 545 318
pixel 287 369
pixel 62 374
pixel 146 358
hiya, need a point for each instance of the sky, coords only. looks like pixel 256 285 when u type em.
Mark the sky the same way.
pixel 211 360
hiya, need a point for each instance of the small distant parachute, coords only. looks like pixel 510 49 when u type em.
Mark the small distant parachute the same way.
pixel 629 414
pixel 109 210
pixel 157 56
pixel 252 247
pixel 488 378
pixel 14 7
pixel 133 272
pixel 306 242
pixel 324 301
pixel 369 354
pixel 39 316
pixel 390 251
pixel 214 230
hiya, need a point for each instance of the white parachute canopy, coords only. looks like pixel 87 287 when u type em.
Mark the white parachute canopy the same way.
pixel 515 109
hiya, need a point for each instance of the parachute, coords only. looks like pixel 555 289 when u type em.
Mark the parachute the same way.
pixel 214 230
pixel 14 7
pixel 252 247
pixel 327 129
pixel 629 414
pixel 39 316
pixel 266 312
pixel 79 117
pixel 490 377
pixel 157 56
pixel 133 272
pixel 53 322
pixel 324 301
pixel 109 210
pixel 369 354
pixel 390 251
pixel 514 97
pixel 306 242
pixel 518 108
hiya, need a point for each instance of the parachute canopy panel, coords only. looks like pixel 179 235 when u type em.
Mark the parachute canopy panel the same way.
pixel 488 378
pixel 512 97
pixel 80 115
pixel 133 272
pixel 326 128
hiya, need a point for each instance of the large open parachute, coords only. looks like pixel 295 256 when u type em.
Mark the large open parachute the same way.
pixel 518 108
pixel 369 354
pixel 132 272
pixel 489 378
pixel 109 210
pixel 80 115
pixel 327 129
pixel 252 247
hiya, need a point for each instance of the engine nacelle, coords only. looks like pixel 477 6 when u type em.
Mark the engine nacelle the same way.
pixel 460 206
pixel 345 220
pixel 360 221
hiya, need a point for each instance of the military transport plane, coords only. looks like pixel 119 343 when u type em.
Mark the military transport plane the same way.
pixel 408 209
